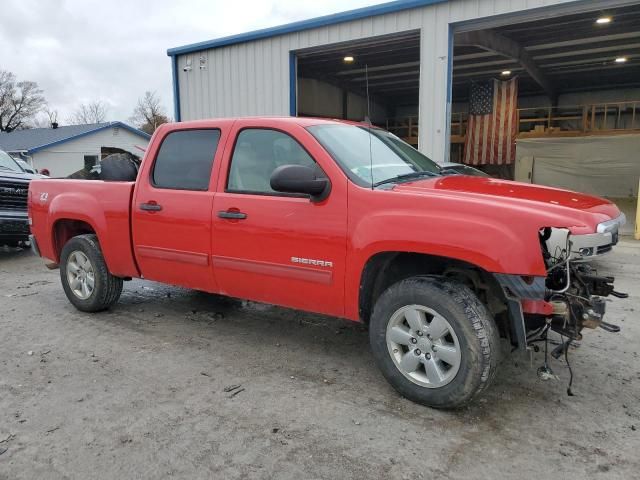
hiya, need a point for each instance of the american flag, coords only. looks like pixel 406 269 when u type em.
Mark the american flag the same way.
pixel 492 125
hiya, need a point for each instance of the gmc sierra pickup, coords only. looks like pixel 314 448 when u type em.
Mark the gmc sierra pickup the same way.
pixel 345 220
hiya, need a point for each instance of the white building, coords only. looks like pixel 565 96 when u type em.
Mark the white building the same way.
pixel 65 150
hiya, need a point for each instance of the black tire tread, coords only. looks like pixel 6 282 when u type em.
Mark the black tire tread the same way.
pixel 108 287
pixel 485 347
pixel 485 327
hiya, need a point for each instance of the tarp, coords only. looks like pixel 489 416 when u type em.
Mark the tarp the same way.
pixel 607 166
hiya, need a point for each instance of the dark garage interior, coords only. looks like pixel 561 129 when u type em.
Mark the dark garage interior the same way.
pixel 332 82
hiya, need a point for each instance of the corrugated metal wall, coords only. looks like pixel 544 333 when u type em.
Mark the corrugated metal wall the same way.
pixel 253 78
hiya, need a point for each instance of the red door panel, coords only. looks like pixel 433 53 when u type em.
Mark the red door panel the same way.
pixel 288 251
pixel 280 249
pixel 173 245
pixel 172 205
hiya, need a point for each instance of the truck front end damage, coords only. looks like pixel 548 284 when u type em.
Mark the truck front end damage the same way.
pixel 575 290
pixel 572 295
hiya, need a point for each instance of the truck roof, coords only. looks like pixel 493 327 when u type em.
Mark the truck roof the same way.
pixel 266 120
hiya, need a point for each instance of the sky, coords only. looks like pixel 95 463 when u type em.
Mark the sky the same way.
pixel 80 51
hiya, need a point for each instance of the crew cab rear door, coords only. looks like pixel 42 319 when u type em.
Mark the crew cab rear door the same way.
pixel 272 247
pixel 171 210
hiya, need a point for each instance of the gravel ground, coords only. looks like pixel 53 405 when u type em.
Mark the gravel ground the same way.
pixel 141 391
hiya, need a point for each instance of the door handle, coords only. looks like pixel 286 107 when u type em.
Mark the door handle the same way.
pixel 150 207
pixel 232 215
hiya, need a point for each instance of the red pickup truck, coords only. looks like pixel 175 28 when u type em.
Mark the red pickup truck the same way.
pixel 345 220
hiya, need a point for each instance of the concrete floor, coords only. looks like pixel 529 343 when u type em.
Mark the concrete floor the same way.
pixel 139 392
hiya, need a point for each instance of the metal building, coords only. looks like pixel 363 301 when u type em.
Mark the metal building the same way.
pixel 257 73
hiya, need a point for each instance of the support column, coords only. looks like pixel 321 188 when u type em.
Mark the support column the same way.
pixel 436 51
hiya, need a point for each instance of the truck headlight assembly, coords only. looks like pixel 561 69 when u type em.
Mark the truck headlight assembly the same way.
pixel 613 225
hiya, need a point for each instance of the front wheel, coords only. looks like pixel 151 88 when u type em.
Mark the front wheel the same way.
pixel 434 341
pixel 86 280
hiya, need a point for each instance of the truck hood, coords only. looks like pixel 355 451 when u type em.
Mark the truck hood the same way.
pixel 540 197
pixel 8 176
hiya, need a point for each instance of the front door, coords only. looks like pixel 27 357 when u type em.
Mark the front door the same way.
pixel 272 247
pixel 171 210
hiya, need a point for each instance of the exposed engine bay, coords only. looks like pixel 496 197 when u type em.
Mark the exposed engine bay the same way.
pixel 574 289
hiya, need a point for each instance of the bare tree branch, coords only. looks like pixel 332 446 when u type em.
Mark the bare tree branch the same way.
pixel 93 112
pixel 46 119
pixel 149 114
pixel 20 102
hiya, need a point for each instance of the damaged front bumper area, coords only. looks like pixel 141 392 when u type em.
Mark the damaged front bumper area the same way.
pixel 588 246
pixel 572 295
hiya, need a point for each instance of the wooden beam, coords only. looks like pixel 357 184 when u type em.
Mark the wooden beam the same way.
pixel 494 42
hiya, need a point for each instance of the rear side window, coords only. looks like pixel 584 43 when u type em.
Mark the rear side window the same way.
pixel 185 159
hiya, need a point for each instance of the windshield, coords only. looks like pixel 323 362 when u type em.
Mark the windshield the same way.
pixel 8 163
pixel 370 156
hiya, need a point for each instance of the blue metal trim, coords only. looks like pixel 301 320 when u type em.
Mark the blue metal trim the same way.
pixel 131 129
pixel 84 134
pixel 176 89
pixel 447 152
pixel 293 83
pixel 357 14
pixel 450 65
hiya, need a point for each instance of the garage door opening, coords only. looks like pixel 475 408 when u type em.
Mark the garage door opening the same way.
pixel 332 82
pixel 553 101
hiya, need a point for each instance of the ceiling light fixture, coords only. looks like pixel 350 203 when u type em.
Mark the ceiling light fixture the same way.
pixel 348 59
pixel 621 59
pixel 603 20
pixel 506 72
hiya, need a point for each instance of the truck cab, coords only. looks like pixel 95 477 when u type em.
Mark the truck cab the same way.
pixel 346 220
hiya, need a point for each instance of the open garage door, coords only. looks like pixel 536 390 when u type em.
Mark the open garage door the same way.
pixel 564 77
pixel 332 82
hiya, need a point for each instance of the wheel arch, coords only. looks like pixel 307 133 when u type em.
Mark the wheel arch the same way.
pixel 64 229
pixel 383 269
pixel 76 213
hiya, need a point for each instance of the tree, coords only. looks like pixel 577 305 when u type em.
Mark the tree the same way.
pixel 46 119
pixel 93 112
pixel 149 114
pixel 20 102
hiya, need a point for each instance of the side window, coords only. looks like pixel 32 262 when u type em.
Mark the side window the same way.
pixel 258 152
pixel 184 160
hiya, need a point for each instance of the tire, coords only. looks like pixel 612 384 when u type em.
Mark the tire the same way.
pixel 450 368
pixel 106 288
pixel 119 167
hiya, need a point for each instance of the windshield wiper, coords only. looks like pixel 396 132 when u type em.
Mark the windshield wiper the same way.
pixel 406 176
pixel 7 168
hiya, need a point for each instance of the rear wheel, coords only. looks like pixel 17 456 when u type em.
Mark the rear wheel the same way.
pixel 87 282
pixel 434 341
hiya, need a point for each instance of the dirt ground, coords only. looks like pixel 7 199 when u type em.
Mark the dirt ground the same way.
pixel 140 392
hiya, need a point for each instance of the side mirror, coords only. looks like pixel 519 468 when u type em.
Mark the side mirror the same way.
pixel 300 179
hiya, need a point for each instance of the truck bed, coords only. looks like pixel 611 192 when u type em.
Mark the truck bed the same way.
pixel 60 208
